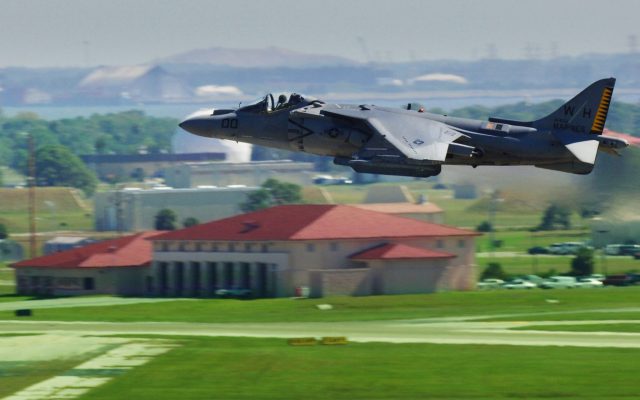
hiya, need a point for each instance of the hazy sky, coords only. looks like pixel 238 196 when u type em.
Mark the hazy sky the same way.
pixel 117 32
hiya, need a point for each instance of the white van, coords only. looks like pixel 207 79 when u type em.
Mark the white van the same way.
pixel 566 248
pixel 557 282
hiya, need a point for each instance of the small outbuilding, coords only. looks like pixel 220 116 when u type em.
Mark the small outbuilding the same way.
pixel 117 266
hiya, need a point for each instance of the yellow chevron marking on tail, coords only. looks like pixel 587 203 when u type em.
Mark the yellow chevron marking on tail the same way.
pixel 603 109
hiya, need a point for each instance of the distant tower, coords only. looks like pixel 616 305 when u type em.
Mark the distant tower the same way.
pixel 365 49
pixel 492 51
pixel 632 41
pixel 553 50
pixel 85 52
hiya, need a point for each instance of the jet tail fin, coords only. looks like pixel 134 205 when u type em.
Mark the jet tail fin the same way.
pixel 586 113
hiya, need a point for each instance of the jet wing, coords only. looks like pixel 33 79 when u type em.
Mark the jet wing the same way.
pixel 416 137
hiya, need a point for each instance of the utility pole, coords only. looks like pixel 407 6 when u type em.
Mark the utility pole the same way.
pixel 32 197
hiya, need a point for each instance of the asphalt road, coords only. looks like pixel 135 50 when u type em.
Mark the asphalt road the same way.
pixel 441 330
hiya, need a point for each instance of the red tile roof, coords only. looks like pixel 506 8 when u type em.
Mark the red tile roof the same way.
pixel 400 208
pixel 312 222
pixel 392 251
pixel 126 251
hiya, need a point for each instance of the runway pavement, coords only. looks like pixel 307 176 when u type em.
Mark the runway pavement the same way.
pixel 438 330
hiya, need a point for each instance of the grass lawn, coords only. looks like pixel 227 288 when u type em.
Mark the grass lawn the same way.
pixel 630 328
pixel 15 376
pixel 18 222
pixel 522 240
pixel 6 281
pixel 243 368
pixel 480 303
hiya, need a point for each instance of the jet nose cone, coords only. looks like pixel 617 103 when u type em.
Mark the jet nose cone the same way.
pixel 198 125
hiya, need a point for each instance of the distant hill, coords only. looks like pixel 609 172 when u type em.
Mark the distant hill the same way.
pixel 255 58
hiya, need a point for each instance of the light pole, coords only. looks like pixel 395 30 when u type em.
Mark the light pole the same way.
pixel 31 192
pixel 603 253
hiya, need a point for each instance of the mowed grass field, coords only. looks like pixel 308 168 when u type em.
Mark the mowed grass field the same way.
pixel 58 208
pixel 243 368
pixel 479 303
pixel 248 368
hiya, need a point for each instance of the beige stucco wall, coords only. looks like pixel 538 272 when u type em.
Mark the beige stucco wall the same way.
pixel 294 261
pixel 340 282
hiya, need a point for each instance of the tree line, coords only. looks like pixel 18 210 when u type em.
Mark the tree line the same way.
pixel 131 132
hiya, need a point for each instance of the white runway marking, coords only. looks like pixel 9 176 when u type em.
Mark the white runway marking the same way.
pixel 128 354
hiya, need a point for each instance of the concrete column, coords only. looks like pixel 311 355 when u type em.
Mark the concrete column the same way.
pixel 205 279
pixel 155 274
pixel 187 288
pixel 170 287
pixel 177 276
pixel 254 276
pixel 220 275
pixel 237 275
pixel 196 276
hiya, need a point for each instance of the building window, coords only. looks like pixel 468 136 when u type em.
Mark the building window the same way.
pixel 461 243
pixel 440 244
pixel 88 284
pixel 232 247
pixel 164 246
pixel 214 247
pixel 334 246
pixel 198 246
pixel 265 248
pixel 311 247
pixel 247 247
pixel 182 246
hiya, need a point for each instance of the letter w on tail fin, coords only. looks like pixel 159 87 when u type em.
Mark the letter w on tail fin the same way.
pixel 584 114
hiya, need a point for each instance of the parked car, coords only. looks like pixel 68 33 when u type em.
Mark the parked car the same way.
pixel 588 283
pixel 235 293
pixel 519 284
pixel 599 277
pixel 490 283
pixel 622 249
pixel 629 249
pixel 558 282
pixel 622 280
pixel 566 248
pixel 538 250
pixel 535 279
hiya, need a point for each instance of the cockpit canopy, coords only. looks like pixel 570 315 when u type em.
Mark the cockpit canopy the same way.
pixel 274 102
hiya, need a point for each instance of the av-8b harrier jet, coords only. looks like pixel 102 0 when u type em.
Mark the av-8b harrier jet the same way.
pixel 411 142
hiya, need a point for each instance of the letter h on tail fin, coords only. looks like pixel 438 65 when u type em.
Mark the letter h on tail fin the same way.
pixel 586 113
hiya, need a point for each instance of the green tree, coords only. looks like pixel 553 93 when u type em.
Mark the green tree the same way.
pixel 57 166
pixel 494 270
pixel 484 226
pixel 583 263
pixel 273 192
pixel 166 220
pixel 4 233
pixel 190 221
pixel 555 217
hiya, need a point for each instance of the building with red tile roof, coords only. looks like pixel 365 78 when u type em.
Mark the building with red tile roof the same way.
pixel 116 266
pixel 330 249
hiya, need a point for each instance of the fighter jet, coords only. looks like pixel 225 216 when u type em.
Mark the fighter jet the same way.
pixel 409 141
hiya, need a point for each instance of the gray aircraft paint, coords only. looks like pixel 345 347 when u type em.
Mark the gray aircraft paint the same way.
pixel 409 142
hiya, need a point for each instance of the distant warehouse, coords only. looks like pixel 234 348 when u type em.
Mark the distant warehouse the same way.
pixel 140 165
pixel 194 174
pixel 132 210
